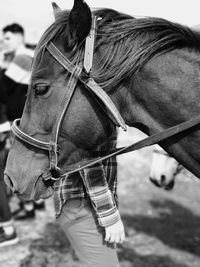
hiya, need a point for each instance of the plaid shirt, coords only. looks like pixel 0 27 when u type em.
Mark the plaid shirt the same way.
pixel 98 183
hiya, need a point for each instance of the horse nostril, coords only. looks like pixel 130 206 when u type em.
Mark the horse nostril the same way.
pixel 155 182
pixel 9 182
pixel 162 179
pixel 170 185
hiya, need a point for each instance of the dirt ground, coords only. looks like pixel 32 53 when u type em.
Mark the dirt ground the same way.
pixel 162 227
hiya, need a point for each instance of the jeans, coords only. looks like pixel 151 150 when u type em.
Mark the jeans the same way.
pixel 85 235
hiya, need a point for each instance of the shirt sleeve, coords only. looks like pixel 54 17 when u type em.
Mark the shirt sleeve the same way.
pixel 102 200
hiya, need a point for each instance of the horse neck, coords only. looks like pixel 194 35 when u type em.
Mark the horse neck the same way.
pixel 148 103
pixel 134 114
pixel 161 94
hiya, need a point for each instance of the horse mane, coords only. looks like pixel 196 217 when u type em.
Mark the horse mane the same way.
pixel 129 42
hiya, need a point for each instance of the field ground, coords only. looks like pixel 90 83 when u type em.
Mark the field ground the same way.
pixel 162 228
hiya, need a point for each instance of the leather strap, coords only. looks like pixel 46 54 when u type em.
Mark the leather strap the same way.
pixel 151 140
pixel 89 47
pixel 89 83
pixel 27 138
pixel 53 152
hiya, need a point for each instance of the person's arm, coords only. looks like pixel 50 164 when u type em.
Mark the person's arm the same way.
pixel 15 77
pixel 103 203
pixel 19 69
pixel 101 197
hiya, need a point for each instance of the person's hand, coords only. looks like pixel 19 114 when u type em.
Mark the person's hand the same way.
pixel 115 233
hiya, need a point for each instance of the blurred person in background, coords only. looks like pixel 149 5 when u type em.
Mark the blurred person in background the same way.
pixel 15 67
pixel 15 63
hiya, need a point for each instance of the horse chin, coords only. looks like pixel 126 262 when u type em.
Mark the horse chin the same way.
pixel 41 190
pixel 43 194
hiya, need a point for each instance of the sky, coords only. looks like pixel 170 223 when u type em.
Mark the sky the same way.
pixel 37 15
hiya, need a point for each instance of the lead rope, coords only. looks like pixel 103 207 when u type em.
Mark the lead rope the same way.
pixel 151 140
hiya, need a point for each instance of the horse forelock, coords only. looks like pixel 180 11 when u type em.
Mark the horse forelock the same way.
pixel 55 29
pixel 58 29
pixel 130 42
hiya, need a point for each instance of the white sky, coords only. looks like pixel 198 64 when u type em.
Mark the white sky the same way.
pixel 36 15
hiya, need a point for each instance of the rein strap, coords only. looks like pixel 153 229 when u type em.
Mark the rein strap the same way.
pixel 151 140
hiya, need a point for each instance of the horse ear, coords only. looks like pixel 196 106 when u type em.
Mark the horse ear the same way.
pixel 56 9
pixel 80 19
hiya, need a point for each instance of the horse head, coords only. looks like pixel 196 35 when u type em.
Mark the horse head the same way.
pixel 150 69
pixel 163 169
pixel 48 91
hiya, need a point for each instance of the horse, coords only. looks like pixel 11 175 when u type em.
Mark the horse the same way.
pixel 147 67
pixel 163 169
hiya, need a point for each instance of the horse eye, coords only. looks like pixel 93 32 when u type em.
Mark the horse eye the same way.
pixel 41 89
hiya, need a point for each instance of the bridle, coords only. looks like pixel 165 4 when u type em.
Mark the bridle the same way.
pixel 79 74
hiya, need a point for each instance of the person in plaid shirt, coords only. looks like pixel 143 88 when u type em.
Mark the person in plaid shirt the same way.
pixel 86 207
